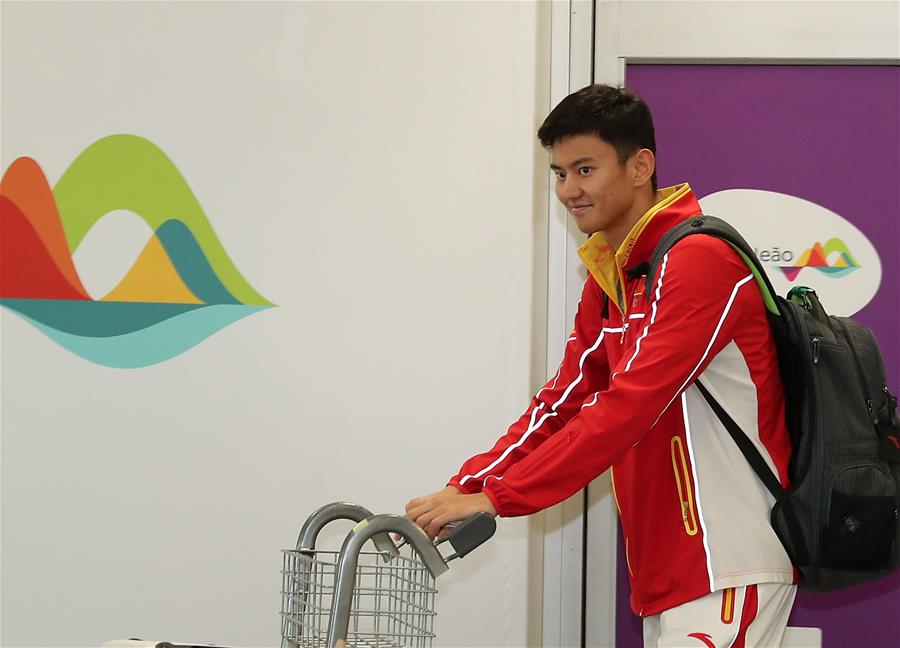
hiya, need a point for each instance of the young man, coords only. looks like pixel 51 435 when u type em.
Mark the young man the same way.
pixel 705 566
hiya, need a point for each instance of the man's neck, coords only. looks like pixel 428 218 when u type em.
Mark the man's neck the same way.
pixel 617 233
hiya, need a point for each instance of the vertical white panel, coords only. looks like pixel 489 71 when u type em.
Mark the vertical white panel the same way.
pixel 554 565
pixel 600 565
pixel 572 33
pixel 370 171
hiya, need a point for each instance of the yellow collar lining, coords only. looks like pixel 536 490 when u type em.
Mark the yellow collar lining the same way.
pixel 606 266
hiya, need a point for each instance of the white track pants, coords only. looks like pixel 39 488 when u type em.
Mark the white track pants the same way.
pixel 737 617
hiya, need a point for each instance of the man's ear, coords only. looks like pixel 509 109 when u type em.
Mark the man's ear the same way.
pixel 644 164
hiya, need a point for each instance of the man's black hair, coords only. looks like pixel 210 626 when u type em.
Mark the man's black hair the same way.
pixel 615 115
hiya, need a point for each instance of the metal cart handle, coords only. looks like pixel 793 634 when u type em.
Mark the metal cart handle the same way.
pixel 468 534
pixel 349 558
pixel 306 541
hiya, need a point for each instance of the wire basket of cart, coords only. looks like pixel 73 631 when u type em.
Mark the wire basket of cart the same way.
pixel 371 592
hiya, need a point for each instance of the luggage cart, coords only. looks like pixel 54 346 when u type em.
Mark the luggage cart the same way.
pixel 381 598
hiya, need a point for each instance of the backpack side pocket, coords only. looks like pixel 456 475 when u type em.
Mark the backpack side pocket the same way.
pixel 860 519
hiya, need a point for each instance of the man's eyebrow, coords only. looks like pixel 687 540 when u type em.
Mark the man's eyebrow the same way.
pixel 580 160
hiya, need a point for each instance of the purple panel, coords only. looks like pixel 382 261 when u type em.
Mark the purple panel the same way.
pixel 831 135
pixel 629 631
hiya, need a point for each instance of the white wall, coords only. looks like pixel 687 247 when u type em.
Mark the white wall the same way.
pixel 372 169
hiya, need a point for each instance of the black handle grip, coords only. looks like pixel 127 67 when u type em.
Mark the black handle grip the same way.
pixel 470 533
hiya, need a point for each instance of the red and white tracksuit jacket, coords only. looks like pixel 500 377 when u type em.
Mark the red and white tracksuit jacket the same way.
pixel 694 515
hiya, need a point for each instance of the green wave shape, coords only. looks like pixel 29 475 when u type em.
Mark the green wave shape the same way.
pixel 837 245
pixel 154 344
pixel 129 172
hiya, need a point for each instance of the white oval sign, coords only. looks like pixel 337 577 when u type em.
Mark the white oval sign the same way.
pixel 801 243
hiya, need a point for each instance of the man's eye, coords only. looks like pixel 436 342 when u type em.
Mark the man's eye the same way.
pixel 584 171
pixel 560 175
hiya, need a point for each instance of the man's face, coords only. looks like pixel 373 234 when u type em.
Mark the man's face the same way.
pixel 591 182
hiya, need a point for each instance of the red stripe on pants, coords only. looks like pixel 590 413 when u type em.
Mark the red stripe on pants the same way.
pixel 748 614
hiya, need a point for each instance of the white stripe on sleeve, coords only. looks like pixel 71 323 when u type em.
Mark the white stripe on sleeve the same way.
pixel 532 427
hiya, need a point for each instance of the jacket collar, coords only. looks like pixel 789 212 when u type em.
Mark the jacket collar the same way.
pixel 607 266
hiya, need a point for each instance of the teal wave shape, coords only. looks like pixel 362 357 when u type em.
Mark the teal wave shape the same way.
pixel 153 344
pixel 849 260
pixel 96 318
pixel 837 272
pixel 191 264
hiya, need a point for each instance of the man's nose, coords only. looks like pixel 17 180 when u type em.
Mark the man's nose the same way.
pixel 568 189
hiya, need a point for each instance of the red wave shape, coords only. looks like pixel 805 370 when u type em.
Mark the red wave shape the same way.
pixel 25 186
pixel 27 270
pixel 817 257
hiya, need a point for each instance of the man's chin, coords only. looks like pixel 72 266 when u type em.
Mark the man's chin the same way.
pixel 587 228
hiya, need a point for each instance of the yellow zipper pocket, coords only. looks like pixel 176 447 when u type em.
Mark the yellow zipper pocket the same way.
pixel 685 489
pixel 728 605
pixel 628 559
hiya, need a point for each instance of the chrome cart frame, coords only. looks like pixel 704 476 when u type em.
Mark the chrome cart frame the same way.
pixel 382 598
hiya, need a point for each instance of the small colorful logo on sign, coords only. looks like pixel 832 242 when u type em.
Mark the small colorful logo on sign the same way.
pixel 787 232
pixel 832 259
pixel 181 289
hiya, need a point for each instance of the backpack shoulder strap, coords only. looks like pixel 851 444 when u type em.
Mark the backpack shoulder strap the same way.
pixel 712 226
pixel 753 456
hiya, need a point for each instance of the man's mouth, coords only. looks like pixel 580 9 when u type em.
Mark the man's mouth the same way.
pixel 577 210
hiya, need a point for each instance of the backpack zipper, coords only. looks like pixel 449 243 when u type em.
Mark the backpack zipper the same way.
pixel 860 374
pixel 813 418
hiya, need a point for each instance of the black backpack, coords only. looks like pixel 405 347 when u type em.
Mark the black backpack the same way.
pixel 838 520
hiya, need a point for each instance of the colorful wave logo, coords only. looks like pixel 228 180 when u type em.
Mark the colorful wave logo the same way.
pixel 842 262
pixel 180 290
